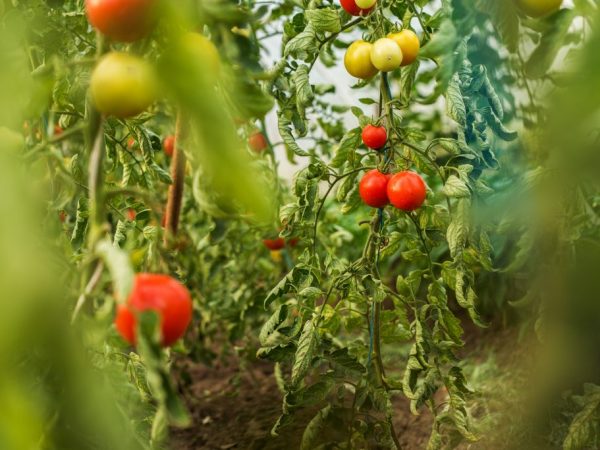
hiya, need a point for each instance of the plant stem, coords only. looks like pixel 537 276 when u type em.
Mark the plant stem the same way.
pixel 175 197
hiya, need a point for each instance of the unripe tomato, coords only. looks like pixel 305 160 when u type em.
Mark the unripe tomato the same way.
pixel 365 4
pixel 353 9
pixel 357 60
pixel 257 142
pixel 374 137
pixel 373 188
pixel 274 244
pixel 200 48
pixel 123 85
pixel 122 20
pixel 386 55
pixel 169 145
pixel 409 44
pixel 163 294
pixel 539 8
pixel 406 190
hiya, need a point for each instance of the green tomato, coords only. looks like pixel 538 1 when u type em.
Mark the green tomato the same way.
pixel 123 85
pixel 365 4
pixel 386 55
pixel 539 8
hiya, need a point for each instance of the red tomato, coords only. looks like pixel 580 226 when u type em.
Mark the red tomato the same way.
pixel 373 188
pixel 374 137
pixel 406 191
pixel 57 130
pixel 257 142
pixel 131 214
pixel 62 216
pixel 353 9
pixel 163 294
pixel 274 244
pixel 122 20
pixel 293 242
pixel 169 145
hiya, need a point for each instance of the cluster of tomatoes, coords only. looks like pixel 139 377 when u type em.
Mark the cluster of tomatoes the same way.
pixel 364 59
pixel 405 190
pixel 124 85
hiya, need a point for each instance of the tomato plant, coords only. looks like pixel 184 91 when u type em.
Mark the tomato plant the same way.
pixel 415 279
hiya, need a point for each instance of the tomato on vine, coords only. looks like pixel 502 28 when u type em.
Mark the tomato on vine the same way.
pixel 122 85
pixel 122 20
pixel 406 190
pixel 409 44
pixel 357 60
pixel 539 8
pixel 374 137
pixel 162 294
pixel 169 145
pixel 131 214
pixel 257 142
pixel 373 189
pixel 274 244
pixel 352 8
pixel 386 55
pixel 58 130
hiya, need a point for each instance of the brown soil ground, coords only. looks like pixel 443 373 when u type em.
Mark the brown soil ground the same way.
pixel 235 408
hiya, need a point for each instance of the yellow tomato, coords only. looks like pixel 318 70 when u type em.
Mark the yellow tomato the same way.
pixel 358 60
pixel 409 44
pixel 539 8
pixel 386 55
pixel 123 85
pixel 276 256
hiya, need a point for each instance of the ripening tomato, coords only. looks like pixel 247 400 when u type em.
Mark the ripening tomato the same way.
pixel 374 137
pixel 169 145
pixel 131 214
pixel 274 244
pixel 386 55
pixel 539 8
pixel 406 190
pixel 58 130
pixel 357 60
pixel 257 142
pixel 122 20
pixel 163 294
pixel 353 9
pixel 409 44
pixel 373 188
pixel 123 85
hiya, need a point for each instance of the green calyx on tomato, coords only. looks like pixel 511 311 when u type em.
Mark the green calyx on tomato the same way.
pixel 122 20
pixel 162 294
pixel 123 85
pixel 357 60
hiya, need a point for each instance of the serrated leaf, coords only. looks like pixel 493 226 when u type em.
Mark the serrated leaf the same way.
pixel 324 20
pixel 304 353
pixel 455 105
pixel 455 187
